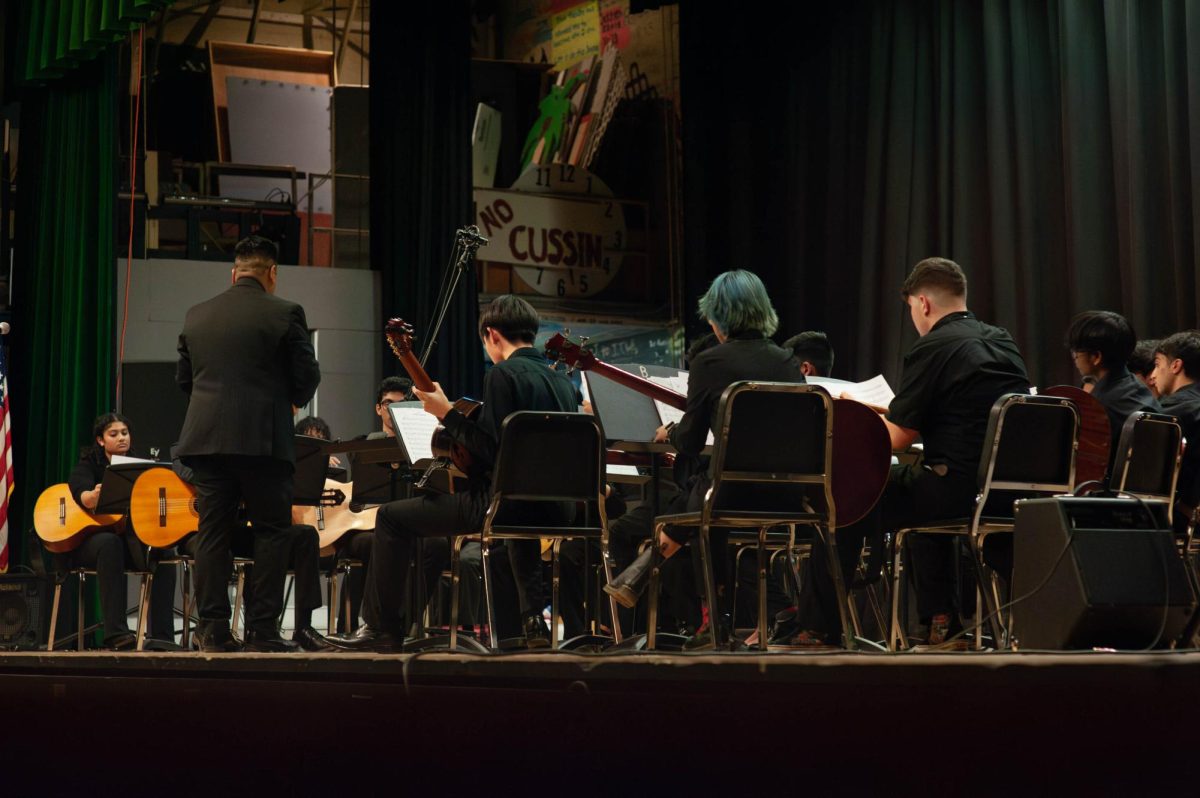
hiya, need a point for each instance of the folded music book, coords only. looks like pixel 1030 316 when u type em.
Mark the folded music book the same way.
pixel 874 391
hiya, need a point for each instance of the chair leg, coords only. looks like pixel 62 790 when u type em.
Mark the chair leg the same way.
pixel 652 610
pixel 58 586
pixel 710 588
pixel 455 577
pixel 144 609
pixel 79 612
pixel 493 636
pixel 762 589
pixel 331 596
pixel 737 569
pixel 237 597
pixel 185 638
pixel 606 560
pixel 347 608
pixel 896 637
pixel 835 571
pixel 555 577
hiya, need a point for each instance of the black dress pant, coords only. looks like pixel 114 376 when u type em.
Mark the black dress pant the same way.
pixel 111 555
pixel 302 559
pixel 441 515
pixel 265 484
pixel 356 545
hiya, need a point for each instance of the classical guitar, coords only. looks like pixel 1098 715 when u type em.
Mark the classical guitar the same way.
pixel 61 523
pixel 335 519
pixel 861 444
pixel 163 508
pixel 1095 433
pixel 400 339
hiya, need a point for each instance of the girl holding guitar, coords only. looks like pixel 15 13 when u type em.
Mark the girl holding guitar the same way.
pixel 111 551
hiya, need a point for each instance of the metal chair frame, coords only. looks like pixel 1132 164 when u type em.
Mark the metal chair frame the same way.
pixel 492 531
pixel 822 523
pixel 975 529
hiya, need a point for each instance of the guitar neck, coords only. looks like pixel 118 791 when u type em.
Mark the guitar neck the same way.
pixel 641 385
pixel 420 379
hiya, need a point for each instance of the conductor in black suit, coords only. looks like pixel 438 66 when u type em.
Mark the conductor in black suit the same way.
pixel 246 361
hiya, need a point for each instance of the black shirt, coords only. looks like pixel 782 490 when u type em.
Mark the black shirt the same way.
pixel 1122 395
pixel 1184 404
pixel 524 381
pixel 951 378
pixel 746 356
pixel 87 474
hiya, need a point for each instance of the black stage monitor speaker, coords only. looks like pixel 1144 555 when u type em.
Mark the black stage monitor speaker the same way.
pixel 22 597
pixel 1104 573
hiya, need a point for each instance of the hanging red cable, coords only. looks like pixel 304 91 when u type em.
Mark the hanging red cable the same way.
pixel 133 138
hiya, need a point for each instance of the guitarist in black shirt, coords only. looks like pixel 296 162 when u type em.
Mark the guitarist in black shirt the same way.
pixel 521 380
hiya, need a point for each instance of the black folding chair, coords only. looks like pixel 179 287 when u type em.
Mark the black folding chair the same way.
pixel 544 458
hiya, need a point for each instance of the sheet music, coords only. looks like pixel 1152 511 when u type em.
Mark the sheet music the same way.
pixel 669 414
pixel 621 470
pixel 874 391
pixel 415 428
pixel 583 386
pixel 120 459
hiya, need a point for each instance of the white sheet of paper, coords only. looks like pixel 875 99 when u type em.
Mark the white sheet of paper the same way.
pixel 120 459
pixel 669 414
pixel 874 391
pixel 621 470
pixel 415 427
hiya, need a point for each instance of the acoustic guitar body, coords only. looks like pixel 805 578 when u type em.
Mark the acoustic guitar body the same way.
pixel 333 521
pixel 444 447
pixel 61 523
pixel 862 457
pixel 1095 432
pixel 163 508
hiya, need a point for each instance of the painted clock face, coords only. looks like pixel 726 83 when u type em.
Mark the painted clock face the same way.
pixel 558 227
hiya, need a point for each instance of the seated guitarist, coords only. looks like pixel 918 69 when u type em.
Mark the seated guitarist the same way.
pixel 112 553
pixel 519 381
pixel 738 310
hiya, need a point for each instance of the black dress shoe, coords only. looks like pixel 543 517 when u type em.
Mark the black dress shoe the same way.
pixel 215 639
pixel 267 643
pixel 121 641
pixel 369 638
pixel 627 587
pixel 537 634
pixel 310 639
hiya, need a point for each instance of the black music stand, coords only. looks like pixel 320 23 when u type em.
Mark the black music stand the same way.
pixel 117 485
pixel 312 466
pixel 377 470
pixel 625 414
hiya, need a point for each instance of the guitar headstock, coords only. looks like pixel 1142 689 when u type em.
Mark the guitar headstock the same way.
pixel 399 336
pixel 332 497
pixel 561 348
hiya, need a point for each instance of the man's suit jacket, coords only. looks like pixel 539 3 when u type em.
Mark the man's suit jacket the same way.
pixel 245 358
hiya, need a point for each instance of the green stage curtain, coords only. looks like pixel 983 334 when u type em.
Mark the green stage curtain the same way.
pixel 62 368
pixel 1051 148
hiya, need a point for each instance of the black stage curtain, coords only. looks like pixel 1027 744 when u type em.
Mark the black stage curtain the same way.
pixel 1051 148
pixel 421 177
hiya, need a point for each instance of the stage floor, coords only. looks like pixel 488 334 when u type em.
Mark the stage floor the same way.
pixel 987 723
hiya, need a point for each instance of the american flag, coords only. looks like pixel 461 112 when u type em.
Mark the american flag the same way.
pixel 6 463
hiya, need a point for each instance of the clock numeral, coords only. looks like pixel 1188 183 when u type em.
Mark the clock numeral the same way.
pixel 608 206
pixel 617 239
pixel 583 284
pixel 562 287
pixel 543 175
pixel 540 270
pixel 566 173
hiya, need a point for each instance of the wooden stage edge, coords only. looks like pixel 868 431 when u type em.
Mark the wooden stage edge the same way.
pixel 628 724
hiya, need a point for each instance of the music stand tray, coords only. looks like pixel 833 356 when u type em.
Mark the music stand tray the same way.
pixel 117 485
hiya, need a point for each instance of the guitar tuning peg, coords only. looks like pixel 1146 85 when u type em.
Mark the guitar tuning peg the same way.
pixel 583 339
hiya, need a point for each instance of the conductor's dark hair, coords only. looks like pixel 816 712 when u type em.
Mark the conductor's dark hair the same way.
pixel 813 346
pixel 314 426
pixel 1103 332
pixel 1142 360
pixel 512 317
pixel 256 253
pixel 393 385
pixel 1183 346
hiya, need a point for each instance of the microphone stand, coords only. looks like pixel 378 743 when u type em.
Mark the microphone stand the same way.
pixel 467 240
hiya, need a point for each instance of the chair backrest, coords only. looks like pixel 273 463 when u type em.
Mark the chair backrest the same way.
pixel 771 449
pixel 1148 455
pixel 548 456
pixel 1029 449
